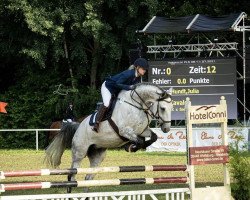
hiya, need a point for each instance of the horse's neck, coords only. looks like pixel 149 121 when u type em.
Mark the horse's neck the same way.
pixel 129 102
pixel 124 95
pixel 140 94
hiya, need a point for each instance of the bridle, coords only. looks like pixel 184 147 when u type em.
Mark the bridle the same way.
pixel 157 114
pixel 141 106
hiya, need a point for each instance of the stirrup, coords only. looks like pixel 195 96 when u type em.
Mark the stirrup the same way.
pixel 95 127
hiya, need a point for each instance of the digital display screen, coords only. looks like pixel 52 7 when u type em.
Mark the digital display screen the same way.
pixel 203 80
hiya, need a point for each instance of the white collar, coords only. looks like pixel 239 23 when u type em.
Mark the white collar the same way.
pixel 136 73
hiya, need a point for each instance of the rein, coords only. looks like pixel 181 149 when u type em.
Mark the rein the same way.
pixel 148 111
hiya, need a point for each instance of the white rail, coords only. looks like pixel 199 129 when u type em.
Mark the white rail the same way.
pixel 167 194
pixel 32 130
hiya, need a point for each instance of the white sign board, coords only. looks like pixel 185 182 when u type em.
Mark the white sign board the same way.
pixel 175 139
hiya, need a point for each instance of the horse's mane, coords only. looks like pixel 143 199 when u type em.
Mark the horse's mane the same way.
pixel 150 84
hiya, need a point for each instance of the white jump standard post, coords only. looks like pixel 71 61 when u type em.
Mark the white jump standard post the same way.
pixel 208 154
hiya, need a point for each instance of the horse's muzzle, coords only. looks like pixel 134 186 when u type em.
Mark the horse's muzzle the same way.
pixel 165 127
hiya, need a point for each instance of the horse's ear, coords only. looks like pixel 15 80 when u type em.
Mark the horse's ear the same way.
pixel 162 94
pixel 169 91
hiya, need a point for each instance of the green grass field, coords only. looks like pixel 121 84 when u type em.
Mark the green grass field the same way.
pixel 210 175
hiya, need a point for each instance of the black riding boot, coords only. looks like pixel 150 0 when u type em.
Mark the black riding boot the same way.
pixel 99 117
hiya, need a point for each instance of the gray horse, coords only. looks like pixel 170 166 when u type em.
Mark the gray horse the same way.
pixel 132 114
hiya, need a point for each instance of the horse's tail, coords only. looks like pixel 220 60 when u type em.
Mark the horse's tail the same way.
pixel 61 141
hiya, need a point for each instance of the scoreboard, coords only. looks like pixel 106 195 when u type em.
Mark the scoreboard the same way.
pixel 203 80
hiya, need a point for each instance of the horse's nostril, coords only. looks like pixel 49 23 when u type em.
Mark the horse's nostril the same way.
pixel 165 129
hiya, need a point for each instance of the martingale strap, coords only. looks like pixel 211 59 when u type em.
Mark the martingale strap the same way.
pixel 116 129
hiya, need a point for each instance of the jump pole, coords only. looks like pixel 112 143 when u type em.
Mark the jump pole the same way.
pixel 46 172
pixel 90 183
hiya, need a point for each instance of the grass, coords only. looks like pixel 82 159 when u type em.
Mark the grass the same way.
pixel 210 175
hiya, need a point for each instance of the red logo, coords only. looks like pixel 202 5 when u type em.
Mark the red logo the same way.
pixel 205 107
pixel 2 107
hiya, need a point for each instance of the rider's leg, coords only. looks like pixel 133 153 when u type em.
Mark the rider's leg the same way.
pixel 99 117
pixel 106 96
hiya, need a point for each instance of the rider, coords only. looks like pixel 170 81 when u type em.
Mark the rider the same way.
pixel 69 114
pixel 125 80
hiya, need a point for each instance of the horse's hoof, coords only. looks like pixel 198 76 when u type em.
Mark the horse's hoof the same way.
pixel 69 189
pixel 126 147
pixel 131 148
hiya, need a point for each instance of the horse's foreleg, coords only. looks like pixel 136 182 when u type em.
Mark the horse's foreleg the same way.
pixel 152 139
pixel 96 156
pixel 132 147
pixel 131 135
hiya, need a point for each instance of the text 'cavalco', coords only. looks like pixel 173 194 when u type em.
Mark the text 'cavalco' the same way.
pixel 207 115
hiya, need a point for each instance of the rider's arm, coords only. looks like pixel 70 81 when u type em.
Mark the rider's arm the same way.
pixel 124 79
pixel 120 84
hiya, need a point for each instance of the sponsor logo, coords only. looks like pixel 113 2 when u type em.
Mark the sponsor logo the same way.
pixel 206 114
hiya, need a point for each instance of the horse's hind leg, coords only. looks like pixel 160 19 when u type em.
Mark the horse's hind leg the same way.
pixel 96 156
pixel 78 153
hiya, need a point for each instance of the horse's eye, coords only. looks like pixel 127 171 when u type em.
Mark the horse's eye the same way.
pixel 163 109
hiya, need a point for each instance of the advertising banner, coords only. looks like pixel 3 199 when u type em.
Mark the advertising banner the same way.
pixel 175 139
pixel 208 155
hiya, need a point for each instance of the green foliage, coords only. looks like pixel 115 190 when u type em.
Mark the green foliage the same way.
pixel 74 43
pixel 240 171
pixel 84 102
pixel 38 106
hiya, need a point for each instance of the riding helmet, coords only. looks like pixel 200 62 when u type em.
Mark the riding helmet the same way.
pixel 142 62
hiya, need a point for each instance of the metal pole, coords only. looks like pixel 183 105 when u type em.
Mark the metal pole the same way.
pixel 155 44
pixel 244 71
pixel 36 139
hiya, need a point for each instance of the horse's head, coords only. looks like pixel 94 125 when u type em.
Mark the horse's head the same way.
pixel 162 109
pixel 152 97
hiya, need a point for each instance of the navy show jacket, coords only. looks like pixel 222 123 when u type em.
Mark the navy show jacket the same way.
pixel 122 81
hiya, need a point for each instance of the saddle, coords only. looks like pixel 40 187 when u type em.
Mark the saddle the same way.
pixel 107 116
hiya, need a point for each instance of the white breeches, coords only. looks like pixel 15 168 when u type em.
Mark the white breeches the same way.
pixel 106 95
